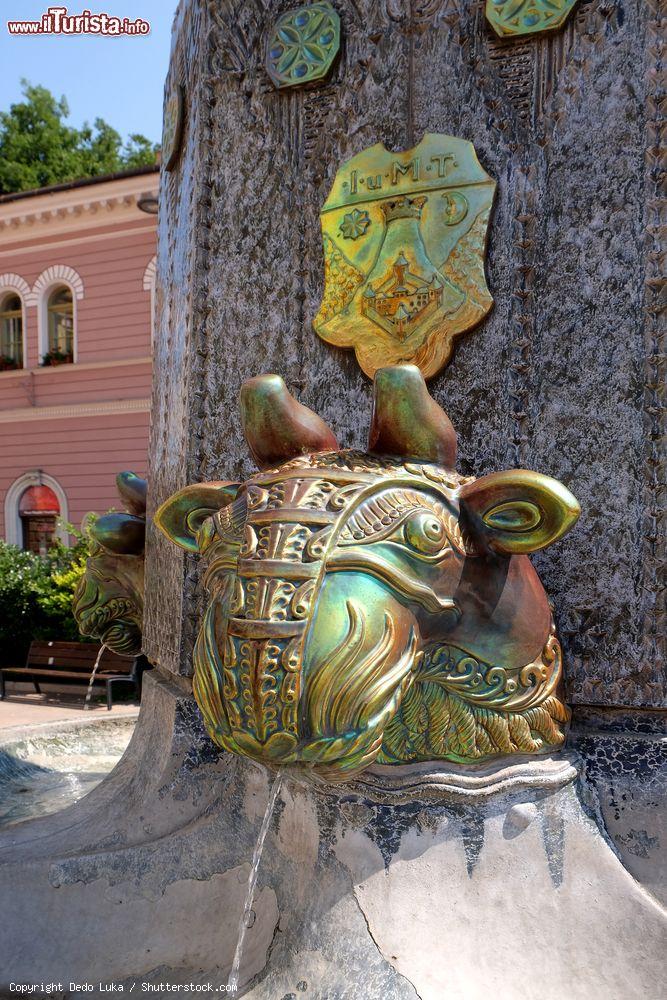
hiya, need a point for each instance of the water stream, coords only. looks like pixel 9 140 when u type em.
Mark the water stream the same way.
pixel 89 692
pixel 233 981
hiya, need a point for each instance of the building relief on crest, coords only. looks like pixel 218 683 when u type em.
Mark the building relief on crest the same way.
pixel 404 242
pixel 517 18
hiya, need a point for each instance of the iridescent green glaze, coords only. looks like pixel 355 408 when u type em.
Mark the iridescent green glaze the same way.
pixel 518 18
pixel 109 599
pixel 372 606
pixel 302 45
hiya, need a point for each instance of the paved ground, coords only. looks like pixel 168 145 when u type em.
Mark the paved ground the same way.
pixel 23 707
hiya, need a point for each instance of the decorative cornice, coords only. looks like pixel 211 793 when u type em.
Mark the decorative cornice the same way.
pixel 75 410
pixel 74 238
pixel 75 208
pixel 77 211
pixel 46 214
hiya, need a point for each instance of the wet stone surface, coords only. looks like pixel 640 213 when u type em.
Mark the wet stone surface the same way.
pixel 629 775
pixel 42 773
pixel 342 879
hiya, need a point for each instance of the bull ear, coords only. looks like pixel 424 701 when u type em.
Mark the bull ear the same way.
pixel 519 510
pixel 182 515
pixel 121 533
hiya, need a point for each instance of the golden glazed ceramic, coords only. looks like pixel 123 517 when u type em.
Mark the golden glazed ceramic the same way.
pixel 518 18
pixel 372 605
pixel 404 244
pixel 109 599
pixel 172 126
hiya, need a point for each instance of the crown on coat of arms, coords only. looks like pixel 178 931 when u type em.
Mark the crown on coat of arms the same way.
pixel 403 207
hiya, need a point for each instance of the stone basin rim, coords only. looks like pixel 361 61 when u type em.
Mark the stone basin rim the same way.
pixel 428 781
pixel 43 730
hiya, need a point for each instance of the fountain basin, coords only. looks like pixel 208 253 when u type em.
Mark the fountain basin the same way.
pixel 44 769
pixel 144 880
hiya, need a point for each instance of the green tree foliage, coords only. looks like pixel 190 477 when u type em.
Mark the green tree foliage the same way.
pixel 36 595
pixel 38 148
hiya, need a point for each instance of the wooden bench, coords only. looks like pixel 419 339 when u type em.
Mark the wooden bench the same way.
pixel 69 663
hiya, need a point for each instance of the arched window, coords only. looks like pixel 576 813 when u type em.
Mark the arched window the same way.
pixel 60 326
pixel 36 494
pixel 11 332
pixel 150 276
pixel 39 510
pixel 57 292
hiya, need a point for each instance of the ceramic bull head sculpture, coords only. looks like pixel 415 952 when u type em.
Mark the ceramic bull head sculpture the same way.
pixel 109 599
pixel 372 606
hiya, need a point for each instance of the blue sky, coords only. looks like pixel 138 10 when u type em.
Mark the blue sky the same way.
pixel 118 79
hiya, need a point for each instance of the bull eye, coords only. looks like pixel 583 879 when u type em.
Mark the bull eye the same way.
pixel 425 533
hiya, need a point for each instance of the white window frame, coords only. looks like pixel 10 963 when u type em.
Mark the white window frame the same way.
pixel 150 277
pixel 53 277
pixel 13 524
pixel 13 284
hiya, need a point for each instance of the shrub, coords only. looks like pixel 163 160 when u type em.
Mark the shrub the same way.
pixel 36 595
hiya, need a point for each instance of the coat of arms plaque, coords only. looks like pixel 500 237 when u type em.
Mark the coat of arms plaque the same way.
pixel 404 244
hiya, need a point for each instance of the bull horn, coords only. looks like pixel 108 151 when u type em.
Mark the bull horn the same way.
pixel 132 490
pixel 406 421
pixel 276 426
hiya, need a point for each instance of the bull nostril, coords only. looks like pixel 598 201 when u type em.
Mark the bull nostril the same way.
pixel 447 604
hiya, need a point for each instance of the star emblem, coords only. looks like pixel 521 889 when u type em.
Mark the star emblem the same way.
pixel 354 224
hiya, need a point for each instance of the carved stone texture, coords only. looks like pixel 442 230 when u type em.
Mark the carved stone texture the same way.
pixel 180 303
pixel 563 373
pixel 302 45
pixel 515 18
pixel 404 244
pixel 372 605
pixel 109 598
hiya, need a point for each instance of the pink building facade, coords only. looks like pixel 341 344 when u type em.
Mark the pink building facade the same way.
pixel 77 272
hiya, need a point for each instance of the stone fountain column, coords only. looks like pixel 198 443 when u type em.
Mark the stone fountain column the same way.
pixel 516 881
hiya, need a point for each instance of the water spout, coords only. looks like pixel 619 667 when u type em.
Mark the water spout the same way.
pixel 233 981
pixel 89 692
